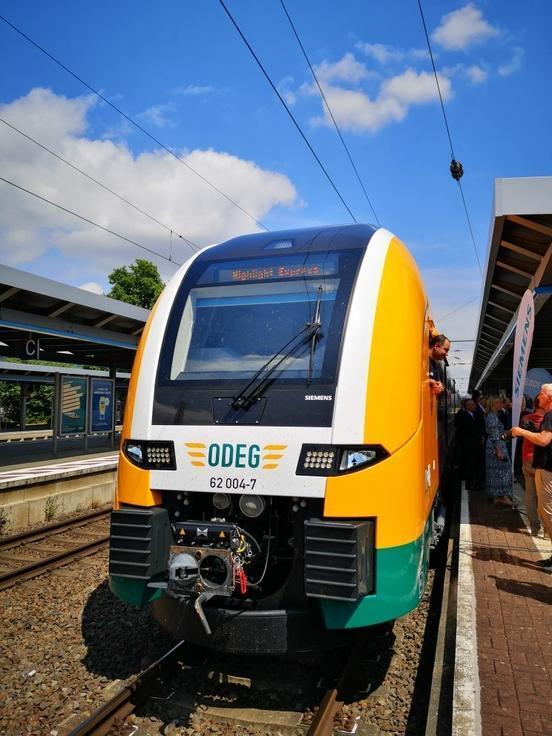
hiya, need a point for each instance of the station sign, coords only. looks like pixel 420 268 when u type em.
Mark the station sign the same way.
pixel 73 405
pixel 102 400
pixel 32 348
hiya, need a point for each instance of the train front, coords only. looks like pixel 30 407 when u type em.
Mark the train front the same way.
pixel 231 434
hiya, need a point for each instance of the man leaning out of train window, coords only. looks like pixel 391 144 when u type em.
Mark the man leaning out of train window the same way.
pixel 542 462
pixel 439 346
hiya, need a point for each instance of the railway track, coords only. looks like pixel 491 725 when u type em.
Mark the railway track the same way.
pixel 56 548
pixel 174 688
pixel 323 719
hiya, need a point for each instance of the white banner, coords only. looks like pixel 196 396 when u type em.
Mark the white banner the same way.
pixel 522 347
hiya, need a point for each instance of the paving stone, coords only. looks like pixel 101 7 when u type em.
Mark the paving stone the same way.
pixel 514 624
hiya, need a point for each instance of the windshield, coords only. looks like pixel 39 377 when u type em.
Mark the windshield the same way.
pixel 231 317
pixel 232 331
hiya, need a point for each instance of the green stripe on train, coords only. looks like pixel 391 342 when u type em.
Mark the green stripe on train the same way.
pixel 133 591
pixel 401 574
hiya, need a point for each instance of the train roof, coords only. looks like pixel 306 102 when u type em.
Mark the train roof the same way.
pixel 293 241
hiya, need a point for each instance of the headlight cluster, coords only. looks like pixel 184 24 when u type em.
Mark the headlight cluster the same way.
pixel 334 460
pixel 319 459
pixel 151 455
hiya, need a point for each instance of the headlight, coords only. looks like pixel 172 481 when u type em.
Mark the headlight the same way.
pixel 334 460
pixel 149 454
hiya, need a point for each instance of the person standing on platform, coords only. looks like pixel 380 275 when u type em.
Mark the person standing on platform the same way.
pixel 542 462
pixel 527 452
pixel 470 442
pixel 498 470
pixel 479 415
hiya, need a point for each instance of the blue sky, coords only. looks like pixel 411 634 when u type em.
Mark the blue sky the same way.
pixel 181 70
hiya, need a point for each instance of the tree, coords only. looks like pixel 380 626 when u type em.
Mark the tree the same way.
pixel 139 284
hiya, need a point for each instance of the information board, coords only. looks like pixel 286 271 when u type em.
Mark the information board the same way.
pixel 102 392
pixel 73 405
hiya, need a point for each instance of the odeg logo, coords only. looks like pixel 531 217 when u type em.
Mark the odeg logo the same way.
pixel 234 456
pixel 241 455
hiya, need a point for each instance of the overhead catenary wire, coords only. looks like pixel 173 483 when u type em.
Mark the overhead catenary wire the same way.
pixel 440 319
pixel 90 222
pixel 330 112
pixel 293 119
pixel 453 157
pixel 133 122
pixel 171 231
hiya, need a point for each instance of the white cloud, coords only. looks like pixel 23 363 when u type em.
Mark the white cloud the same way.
pixel 421 54
pixel 285 89
pixel 356 110
pixel 514 64
pixel 159 115
pixel 152 180
pixel 412 87
pixel 194 90
pixel 381 52
pixel 93 287
pixel 347 69
pixel 476 74
pixel 463 27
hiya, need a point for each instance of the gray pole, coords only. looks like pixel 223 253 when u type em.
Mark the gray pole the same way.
pixel 23 406
pixel 55 413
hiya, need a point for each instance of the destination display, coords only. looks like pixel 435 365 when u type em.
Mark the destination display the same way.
pixel 73 404
pixel 101 405
pixel 268 269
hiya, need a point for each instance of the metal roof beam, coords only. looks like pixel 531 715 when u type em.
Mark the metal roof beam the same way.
pixel 514 269
pixel 490 327
pixel 9 292
pixel 521 251
pixel 499 286
pixel 62 309
pixel 536 226
pixel 496 319
pixel 501 306
pixel 103 322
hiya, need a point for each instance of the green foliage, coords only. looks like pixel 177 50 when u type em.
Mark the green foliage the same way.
pixel 39 403
pixel 51 507
pixel 10 401
pixel 139 284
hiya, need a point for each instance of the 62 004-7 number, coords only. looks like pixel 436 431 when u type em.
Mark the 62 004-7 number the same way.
pixel 235 484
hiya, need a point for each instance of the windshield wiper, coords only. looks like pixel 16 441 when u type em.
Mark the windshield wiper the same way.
pixel 316 335
pixel 311 331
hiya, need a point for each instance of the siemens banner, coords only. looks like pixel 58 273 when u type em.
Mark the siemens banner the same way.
pixel 101 405
pixel 522 347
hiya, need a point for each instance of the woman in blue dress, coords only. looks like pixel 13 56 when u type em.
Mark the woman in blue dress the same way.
pixel 498 468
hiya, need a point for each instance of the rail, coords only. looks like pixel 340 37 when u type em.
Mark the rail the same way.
pixel 125 701
pixel 10 577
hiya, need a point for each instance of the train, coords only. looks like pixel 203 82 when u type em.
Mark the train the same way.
pixel 279 473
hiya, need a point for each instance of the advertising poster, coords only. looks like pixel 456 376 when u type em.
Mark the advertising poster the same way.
pixel 101 405
pixel 74 398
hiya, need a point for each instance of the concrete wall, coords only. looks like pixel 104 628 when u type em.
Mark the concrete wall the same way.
pixel 43 502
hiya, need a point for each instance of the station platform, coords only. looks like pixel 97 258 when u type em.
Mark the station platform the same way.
pixel 37 492
pixel 503 671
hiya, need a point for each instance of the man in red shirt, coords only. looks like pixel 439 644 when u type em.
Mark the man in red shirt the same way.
pixel 542 462
pixel 527 450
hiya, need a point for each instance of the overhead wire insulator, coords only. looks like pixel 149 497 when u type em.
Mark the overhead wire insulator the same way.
pixel 456 170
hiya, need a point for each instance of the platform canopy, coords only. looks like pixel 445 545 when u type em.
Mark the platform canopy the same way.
pixel 519 258
pixel 48 320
